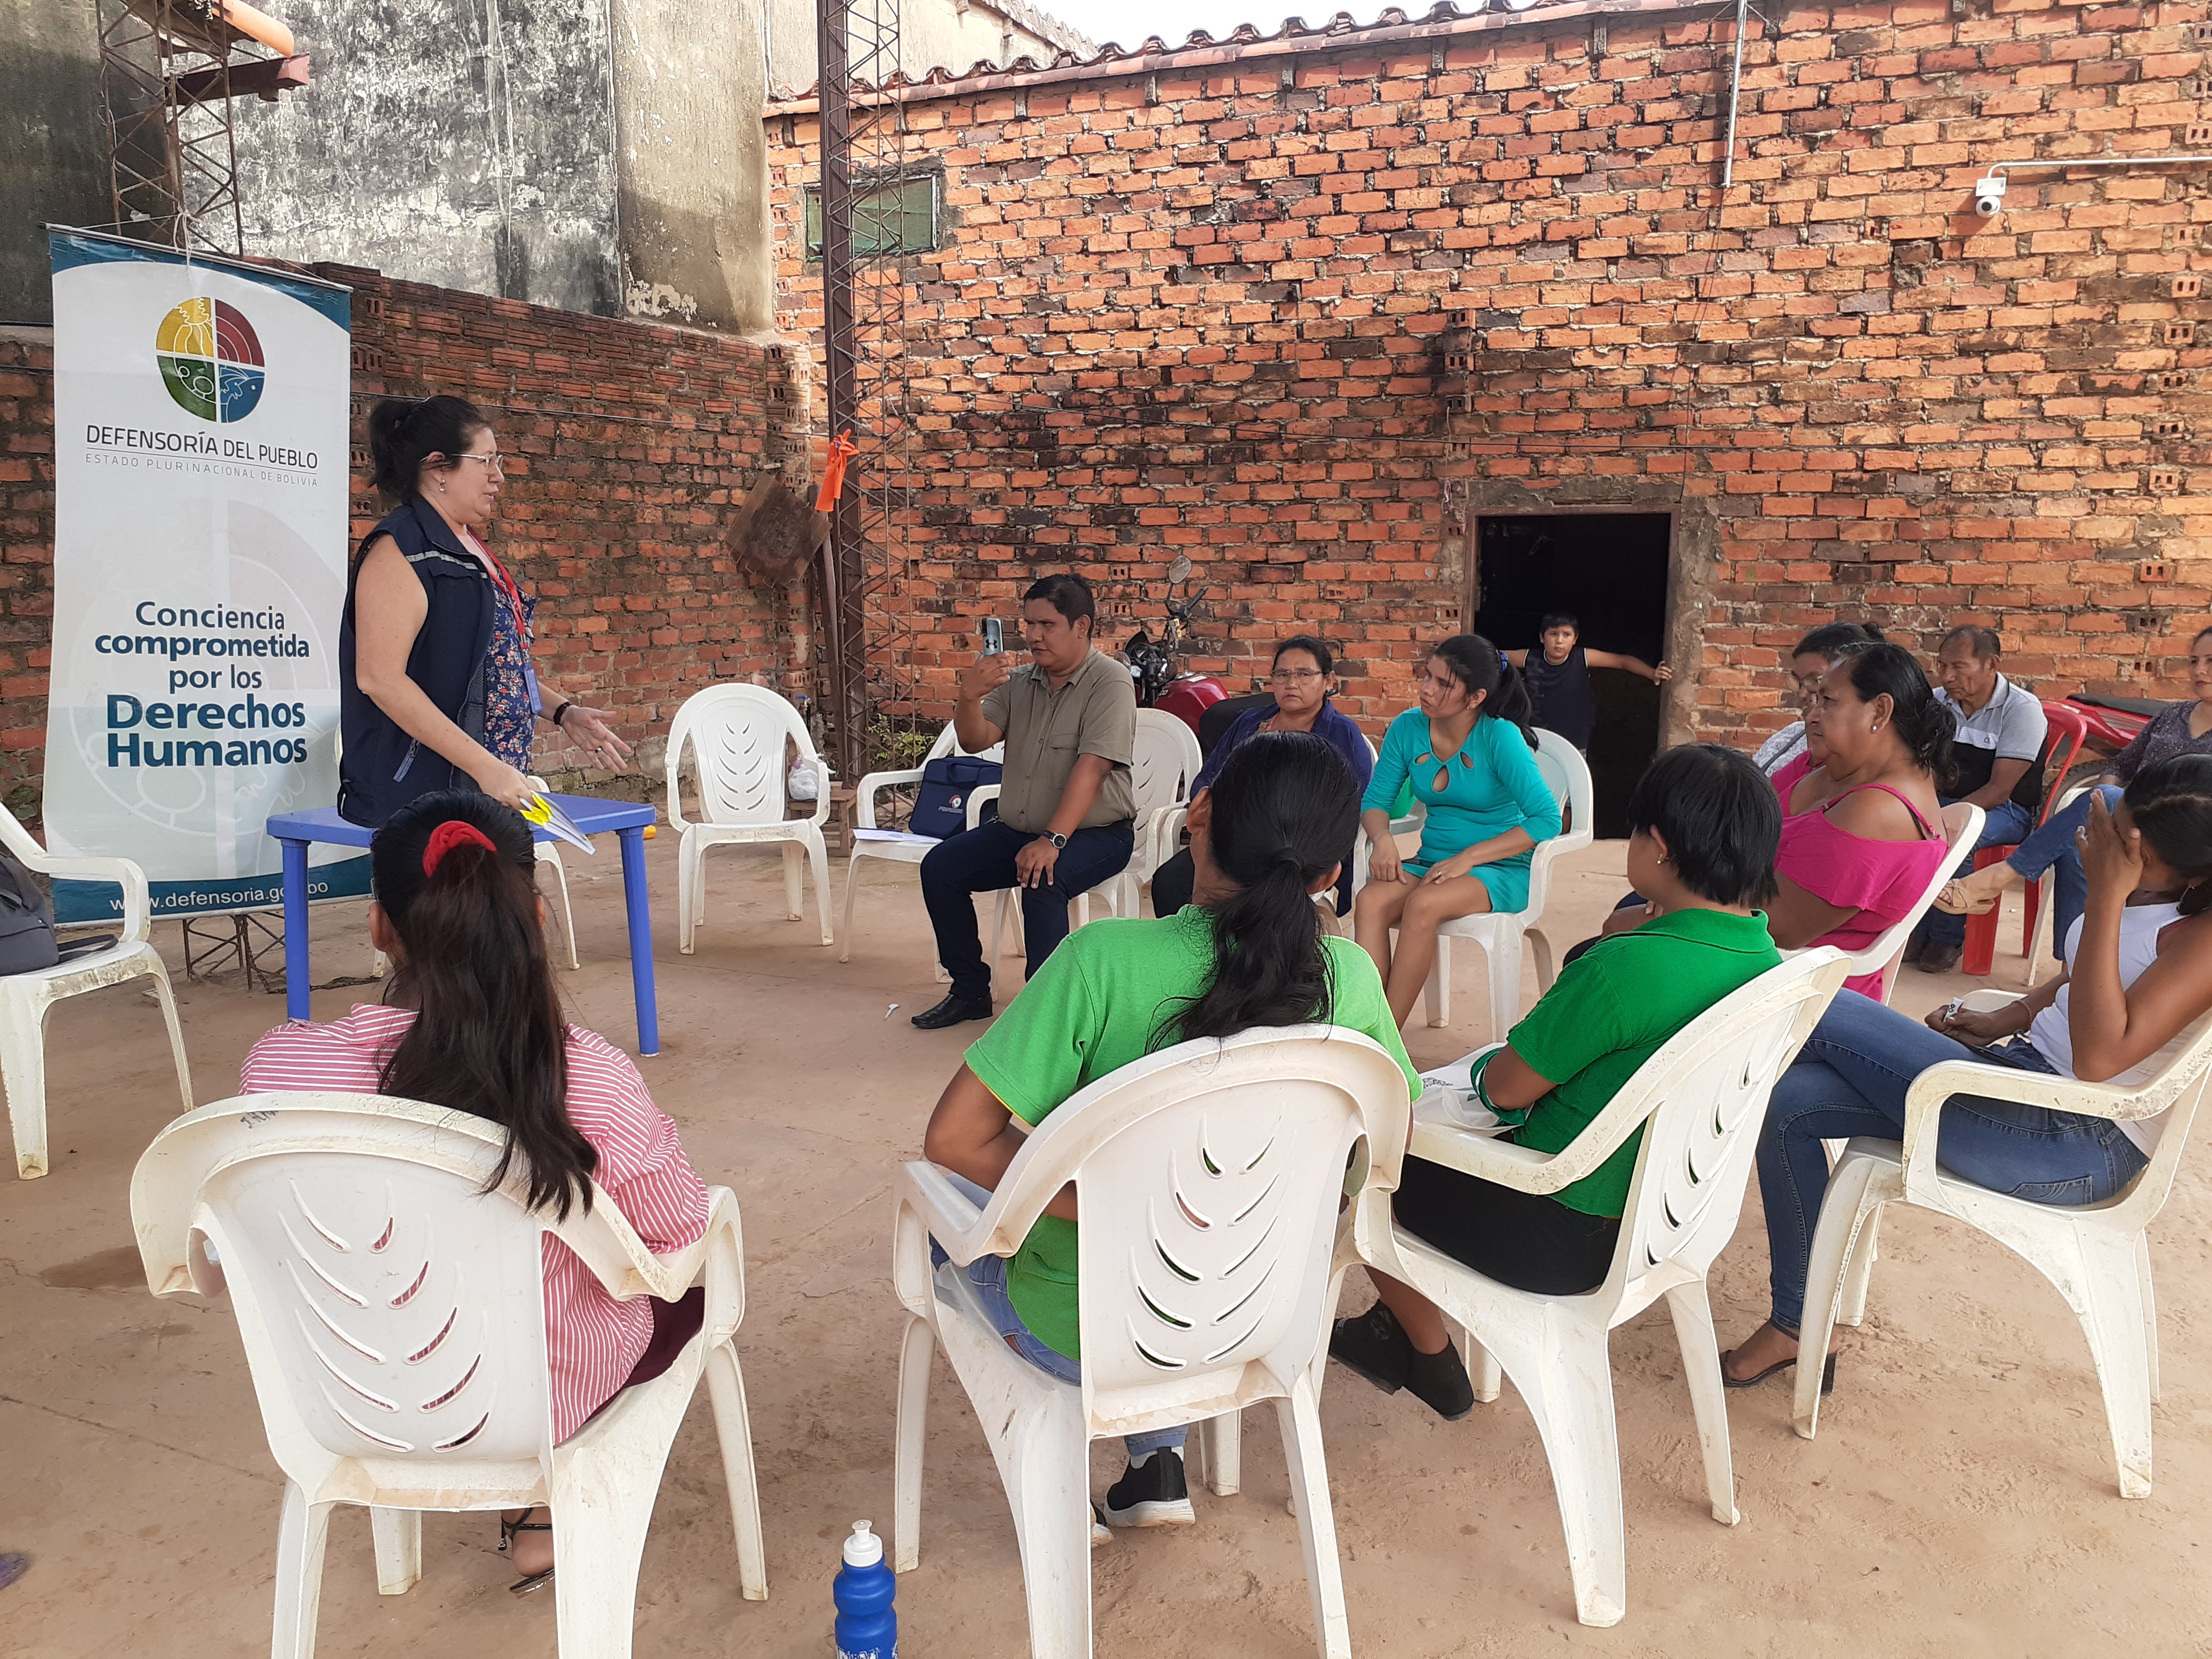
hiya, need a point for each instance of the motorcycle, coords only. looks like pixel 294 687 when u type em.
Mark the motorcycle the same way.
pixel 1153 662
pixel 2113 723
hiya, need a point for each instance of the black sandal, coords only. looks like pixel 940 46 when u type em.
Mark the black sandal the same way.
pixel 1827 1373
pixel 507 1530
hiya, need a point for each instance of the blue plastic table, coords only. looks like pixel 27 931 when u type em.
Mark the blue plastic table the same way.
pixel 626 819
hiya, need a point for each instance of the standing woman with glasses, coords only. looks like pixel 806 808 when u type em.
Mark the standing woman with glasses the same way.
pixel 1303 680
pixel 436 689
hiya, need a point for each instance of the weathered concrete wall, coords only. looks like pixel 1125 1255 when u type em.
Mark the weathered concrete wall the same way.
pixel 54 146
pixel 465 144
pixel 953 34
pixel 690 86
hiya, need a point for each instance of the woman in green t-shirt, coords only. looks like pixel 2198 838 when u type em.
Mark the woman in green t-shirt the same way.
pixel 1705 824
pixel 1250 951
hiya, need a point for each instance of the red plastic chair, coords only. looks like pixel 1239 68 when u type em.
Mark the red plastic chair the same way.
pixel 2069 731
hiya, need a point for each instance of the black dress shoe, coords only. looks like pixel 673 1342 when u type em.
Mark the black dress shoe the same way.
pixel 952 1011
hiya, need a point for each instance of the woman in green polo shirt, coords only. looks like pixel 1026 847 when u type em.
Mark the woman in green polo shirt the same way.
pixel 1704 826
pixel 1250 950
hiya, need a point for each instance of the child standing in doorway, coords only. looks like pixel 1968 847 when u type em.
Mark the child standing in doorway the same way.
pixel 1559 682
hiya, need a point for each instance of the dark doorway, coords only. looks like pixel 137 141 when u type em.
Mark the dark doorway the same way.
pixel 1609 570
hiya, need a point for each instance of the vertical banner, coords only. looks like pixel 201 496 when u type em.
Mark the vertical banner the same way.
pixel 201 477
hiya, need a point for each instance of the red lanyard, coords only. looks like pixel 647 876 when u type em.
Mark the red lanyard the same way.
pixel 498 571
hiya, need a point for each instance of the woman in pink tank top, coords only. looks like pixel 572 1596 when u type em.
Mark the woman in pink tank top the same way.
pixel 1862 834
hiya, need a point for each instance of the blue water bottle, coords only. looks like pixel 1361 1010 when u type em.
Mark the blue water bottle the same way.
pixel 866 1627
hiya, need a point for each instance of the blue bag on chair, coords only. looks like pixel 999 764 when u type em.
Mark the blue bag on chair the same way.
pixel 941 809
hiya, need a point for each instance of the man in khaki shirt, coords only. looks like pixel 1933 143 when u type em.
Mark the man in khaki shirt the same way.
pixel 1068 717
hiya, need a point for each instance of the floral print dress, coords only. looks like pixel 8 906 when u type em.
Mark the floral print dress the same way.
pixel 510 685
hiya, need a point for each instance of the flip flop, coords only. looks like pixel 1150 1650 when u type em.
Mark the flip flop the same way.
pixel 1954 908
pixel 1827 1373
pixel 12 1567
pixel 507 1529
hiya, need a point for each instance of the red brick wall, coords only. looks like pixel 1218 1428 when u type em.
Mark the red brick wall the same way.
pixel 630 448
pixel 1305 312
pixel 27 557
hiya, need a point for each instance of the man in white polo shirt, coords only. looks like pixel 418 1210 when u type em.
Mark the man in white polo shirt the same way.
pixel 1996 756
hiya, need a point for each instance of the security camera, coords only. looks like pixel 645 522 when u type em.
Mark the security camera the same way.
pixel 1989 195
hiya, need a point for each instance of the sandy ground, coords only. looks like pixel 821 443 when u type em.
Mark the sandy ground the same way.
pixel 1961 1499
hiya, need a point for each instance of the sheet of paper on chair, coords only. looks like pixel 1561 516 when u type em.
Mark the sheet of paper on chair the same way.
pixel 894 835
pixel 1447 1096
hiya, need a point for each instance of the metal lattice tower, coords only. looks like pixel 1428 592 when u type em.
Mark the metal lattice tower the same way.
pixel 864 342
pixel 168 70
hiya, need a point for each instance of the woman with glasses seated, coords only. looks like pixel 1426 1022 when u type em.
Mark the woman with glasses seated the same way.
pixel 1470 755
pixel 436 689
pixel 1303 680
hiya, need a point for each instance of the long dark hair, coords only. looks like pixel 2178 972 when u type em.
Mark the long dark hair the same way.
pixel 1924 724
pixel 490 1038
pixel 2172 806
pixel 404 432
pixel 1285 809
pixel 1479 665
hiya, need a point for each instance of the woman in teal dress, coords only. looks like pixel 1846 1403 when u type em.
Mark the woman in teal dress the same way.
pixel 1470 755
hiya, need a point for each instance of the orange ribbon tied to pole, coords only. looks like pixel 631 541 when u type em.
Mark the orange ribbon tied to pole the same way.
pixel 833 476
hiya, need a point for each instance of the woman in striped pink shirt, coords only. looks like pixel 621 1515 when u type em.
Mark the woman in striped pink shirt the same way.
pixel 471 1021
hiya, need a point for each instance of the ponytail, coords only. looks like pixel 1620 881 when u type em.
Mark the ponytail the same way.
pixel 1479 665
pixel 1284 811
pixel 454 873
pixel 404 432
pixel 2172 806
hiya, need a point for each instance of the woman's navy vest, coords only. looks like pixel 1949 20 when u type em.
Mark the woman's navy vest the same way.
pixel 382 769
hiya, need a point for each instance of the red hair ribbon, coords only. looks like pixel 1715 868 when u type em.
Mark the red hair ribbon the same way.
pixel 449 835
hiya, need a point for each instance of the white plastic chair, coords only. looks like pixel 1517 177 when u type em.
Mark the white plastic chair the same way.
pixel 907 848
pixel 736 736
pixel 1962 828
pixel 1500 932
pixel 25 998
pixel 1700 1101
pixel 2098 1256
pixel 1162 768
pixel 1209 1176
pixel 392 1317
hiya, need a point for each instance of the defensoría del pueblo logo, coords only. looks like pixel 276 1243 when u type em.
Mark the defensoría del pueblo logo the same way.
pixel 210 360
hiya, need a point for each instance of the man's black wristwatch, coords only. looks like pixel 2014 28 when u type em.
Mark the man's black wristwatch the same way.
pixel 1059 841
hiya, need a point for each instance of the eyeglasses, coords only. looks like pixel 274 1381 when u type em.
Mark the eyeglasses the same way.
pixel 1295 676
pixel 491 463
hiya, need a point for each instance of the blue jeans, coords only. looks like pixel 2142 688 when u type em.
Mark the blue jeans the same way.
pixel 2052 848
pixel 1850 1079
pixel 2003 824
pixel 981 861
pixel 988 1274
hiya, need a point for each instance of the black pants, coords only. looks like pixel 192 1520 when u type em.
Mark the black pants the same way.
pixel 1172 882
pixel 1531 1241
pixel 981 861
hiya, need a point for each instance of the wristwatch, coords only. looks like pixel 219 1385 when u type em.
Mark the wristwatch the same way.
pixel 1059 841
